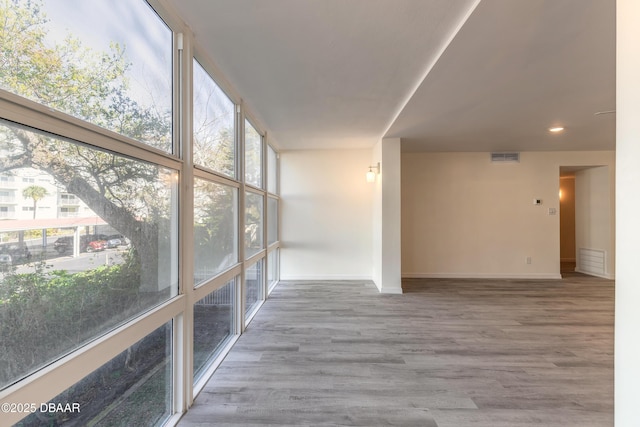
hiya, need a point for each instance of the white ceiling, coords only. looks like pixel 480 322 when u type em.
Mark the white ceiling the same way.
pixel 324 74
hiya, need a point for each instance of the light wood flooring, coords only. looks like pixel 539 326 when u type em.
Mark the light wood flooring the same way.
pixel 446 353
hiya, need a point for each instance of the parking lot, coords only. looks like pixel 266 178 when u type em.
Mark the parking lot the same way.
pixel 85 261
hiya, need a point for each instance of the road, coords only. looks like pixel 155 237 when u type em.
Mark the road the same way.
pixel 84 262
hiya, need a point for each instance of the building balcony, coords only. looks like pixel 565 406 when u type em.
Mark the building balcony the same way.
pixel 67 214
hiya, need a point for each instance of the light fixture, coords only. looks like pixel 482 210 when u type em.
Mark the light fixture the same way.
pixel 371 175
pixel 556 129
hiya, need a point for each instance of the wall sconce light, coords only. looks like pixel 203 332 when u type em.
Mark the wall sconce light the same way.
pixel 371 175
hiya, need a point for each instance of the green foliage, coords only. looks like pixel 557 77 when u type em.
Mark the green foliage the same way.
pixel 45 313
pixel 215 218
pixel 35 192
pixel 72 78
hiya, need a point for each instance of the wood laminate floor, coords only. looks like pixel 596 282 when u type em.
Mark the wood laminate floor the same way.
pixel 446 353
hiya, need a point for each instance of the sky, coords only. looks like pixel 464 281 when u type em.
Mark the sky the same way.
pixel 131 23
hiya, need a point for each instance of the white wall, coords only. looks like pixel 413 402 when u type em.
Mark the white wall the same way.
pixel 593 214
pixel 463 216
pixel 627 344
pixel 327 215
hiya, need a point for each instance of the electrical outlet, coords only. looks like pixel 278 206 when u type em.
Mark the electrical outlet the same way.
pixel 528 260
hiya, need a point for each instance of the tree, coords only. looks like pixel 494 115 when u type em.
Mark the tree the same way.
pixel 36 193
pixel 213 122
pixel 92 86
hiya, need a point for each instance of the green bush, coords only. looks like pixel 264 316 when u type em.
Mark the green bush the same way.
pixel 46 314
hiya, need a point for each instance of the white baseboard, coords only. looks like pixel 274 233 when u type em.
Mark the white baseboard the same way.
pixel 323 278
pixel 394 290
pixel 385 290
pixel 535 276
pixel 603 276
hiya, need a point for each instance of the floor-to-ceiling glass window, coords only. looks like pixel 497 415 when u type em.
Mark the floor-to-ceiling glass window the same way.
pixel 254 213
pixel 215 199
pixel 273 268
pixel 215 230
pixel 213 324
pixel 254 244
pixel 254 278
pixel 252 155
pixel 254 204
pixel 135 388
pixel 90 268
pixel 216 225
pixel 107 63
pixel 272 170
pixel 214 125
pixel 52 306
pixel 273 220
pixel 137 230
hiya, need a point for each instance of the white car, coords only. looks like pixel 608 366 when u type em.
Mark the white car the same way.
pixel 5 262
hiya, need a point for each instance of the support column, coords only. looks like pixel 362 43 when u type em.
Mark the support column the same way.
pixel 387 272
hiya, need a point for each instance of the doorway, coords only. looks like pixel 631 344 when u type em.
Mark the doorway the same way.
pixel 586 221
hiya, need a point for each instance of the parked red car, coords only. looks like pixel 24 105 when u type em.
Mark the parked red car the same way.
pixel 96 245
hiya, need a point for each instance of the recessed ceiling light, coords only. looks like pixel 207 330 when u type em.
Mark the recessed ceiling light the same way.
pixel 556 129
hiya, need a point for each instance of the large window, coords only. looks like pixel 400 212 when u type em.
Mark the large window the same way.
pixel 253 234
pixel 254 279
pixel 272 170
pixel 49 309
pixel 132 389
pixel 215 228
pixel 273 264
pixel 252 155
pixel 213 124
pixel 272 220
pixel 213 324
pixel 105 62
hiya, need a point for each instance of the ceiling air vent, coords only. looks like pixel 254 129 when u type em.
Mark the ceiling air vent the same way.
pixel 505 157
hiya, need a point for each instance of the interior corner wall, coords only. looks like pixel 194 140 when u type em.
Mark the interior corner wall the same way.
pixel 327 210
pixel 463 216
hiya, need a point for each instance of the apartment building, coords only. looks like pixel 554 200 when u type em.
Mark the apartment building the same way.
pixel 55 203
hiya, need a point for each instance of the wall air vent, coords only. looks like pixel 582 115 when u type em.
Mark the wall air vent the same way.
pixel 505 157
